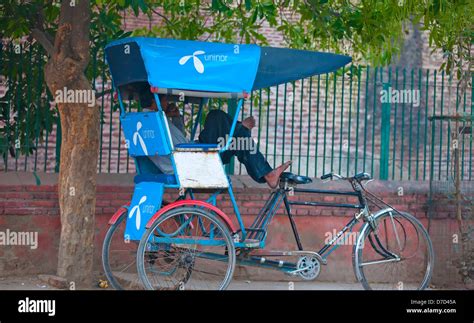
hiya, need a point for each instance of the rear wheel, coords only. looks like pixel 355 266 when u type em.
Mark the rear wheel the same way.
pixel 397 254
pixel 186 248
pixel 119 257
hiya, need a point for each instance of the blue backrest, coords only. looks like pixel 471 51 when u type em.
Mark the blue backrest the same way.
pixel 144 165
pixel 149 172
pixel 146 133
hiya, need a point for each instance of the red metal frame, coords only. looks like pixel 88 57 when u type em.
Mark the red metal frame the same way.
pixel 209 206
pixel 117 214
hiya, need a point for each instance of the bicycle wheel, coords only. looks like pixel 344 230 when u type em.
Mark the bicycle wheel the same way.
pixel 186 248
pixel 398 254
pixel 119 257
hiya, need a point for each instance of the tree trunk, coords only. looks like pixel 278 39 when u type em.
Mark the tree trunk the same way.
pixel 77 187
pixel 79 147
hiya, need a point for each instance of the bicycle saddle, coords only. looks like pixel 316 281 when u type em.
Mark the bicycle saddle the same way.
pixel 295 179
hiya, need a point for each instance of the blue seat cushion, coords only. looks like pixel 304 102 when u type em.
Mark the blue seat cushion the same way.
pixel 192 145
pixel 157 178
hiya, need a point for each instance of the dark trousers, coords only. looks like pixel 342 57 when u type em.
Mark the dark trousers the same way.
pixel 217 125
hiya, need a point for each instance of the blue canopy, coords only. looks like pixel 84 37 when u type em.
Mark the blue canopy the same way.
pixel 212 67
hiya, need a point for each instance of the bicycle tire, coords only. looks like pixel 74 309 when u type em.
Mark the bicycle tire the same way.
pixel 365 233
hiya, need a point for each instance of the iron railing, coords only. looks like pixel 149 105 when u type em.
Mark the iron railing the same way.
pixel 347 122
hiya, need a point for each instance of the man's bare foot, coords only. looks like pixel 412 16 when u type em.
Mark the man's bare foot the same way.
pixel 249 122
pixel 273 177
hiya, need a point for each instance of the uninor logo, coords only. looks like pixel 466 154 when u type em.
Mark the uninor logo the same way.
pixel 138 138
pixel 136 209
pixel 196 61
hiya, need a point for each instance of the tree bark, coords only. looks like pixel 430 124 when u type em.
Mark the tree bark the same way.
pixel 79 146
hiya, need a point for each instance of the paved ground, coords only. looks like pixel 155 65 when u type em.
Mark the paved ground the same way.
pixel 23 283
pixel 33 283
pixel 297 285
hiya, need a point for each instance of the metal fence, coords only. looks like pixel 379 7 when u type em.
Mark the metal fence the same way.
pixel 357 119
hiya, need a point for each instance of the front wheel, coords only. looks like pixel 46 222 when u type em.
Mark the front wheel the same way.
pixel 186 248
pixel 395 252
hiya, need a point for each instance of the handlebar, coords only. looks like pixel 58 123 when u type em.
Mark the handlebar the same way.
pixel 331 176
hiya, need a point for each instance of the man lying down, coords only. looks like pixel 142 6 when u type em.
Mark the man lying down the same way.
pixel 217 126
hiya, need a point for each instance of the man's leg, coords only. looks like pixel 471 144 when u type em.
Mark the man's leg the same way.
pixel 255 163
pixel 217 126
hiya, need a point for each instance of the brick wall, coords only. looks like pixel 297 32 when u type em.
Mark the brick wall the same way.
pixel 27 207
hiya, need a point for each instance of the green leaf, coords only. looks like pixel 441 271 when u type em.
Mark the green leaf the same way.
pixel 248 4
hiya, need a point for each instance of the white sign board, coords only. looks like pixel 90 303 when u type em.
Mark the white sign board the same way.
pixel 199 169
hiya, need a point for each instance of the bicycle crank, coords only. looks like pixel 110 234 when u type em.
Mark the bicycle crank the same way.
pixel 308 268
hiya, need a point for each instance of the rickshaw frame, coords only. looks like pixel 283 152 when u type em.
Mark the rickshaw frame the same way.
pixel 249 239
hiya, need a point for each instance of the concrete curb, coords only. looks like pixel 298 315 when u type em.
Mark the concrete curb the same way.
pixel 238 181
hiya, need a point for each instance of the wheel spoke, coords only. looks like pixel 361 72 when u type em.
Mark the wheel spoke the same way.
pixel 395 230
pixel 375 262
pixel 191 249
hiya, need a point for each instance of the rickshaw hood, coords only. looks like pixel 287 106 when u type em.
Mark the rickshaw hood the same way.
pixel 213 67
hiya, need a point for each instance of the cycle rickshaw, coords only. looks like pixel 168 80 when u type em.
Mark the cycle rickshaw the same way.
pixel 191 243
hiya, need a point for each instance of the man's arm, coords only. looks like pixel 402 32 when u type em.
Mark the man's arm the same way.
pixel 178 123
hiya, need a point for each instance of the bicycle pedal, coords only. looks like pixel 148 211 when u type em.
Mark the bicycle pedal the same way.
pixel 296 271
